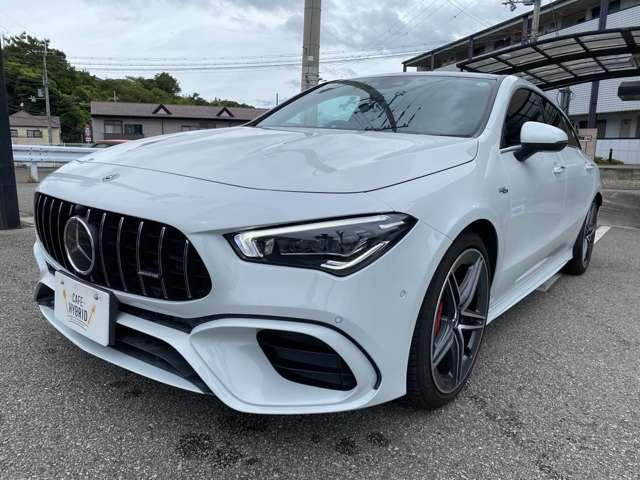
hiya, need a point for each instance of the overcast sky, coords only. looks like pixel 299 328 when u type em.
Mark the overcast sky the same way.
pixel 218 31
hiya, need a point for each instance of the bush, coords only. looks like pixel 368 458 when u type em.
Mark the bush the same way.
pixel 605 161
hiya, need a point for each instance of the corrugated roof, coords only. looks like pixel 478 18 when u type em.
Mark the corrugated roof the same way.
pixel 152 110
pixel 566 60
pixel 549 7
pixel 25 119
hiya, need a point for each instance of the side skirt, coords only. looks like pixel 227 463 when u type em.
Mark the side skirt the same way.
pixel 528 286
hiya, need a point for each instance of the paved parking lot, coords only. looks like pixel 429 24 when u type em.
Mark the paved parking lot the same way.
pixel 555 395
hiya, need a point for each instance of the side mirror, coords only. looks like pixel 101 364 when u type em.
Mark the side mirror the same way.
pixel 540 137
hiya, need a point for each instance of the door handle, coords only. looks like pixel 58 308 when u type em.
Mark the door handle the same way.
pixel 558 169
pixel 589 166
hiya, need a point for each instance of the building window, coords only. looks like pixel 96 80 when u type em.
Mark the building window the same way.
pixel 188 128
pixel 501 43
pixel 133 129
pixel 34 133
pixel 614 6
pixel 14 132
pixel 113 126
pixel 479 50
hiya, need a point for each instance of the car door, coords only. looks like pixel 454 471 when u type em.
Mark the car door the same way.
pixel 578 173
pixel 580 177
pixel 536 194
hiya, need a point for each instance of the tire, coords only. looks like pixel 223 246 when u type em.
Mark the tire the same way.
pixel 583 247
pixel 432 377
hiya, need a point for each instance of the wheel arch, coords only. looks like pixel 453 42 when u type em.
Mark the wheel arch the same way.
pixel 489 235
pixel 598 199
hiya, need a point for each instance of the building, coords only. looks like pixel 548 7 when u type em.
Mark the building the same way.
pixel 121 120
pixel 617 121
pixel 33 129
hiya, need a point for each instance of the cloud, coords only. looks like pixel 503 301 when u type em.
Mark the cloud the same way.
pixel 245 30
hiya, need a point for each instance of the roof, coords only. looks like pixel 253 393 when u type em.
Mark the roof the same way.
pixel 430 73
pixel 549 7
pixel 151 110
pixel 25 119
pixel 567 59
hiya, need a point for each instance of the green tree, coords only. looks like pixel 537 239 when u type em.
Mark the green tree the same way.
pixel 71 90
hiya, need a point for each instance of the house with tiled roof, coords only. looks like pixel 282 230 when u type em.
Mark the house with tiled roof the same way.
pixel 33 129
pixel 129 121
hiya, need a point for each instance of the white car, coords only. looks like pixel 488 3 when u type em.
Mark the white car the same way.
pixel 345 249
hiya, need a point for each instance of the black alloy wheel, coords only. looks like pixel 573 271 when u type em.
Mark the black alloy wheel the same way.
pixel 451 324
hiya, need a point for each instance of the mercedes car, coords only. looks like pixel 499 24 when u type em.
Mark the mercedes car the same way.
pixel 347 248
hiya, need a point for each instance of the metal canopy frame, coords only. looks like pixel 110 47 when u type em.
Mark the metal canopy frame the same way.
pixel 566 60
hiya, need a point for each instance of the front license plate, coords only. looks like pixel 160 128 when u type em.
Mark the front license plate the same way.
pixel 83 308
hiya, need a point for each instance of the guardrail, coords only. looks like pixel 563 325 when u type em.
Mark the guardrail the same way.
pixel 34 155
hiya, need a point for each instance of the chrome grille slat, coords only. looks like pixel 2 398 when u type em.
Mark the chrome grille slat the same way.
pixel 101 247
pixel 59 233
pixel 185 263
pixel 138 263
pixel 49 227
pixel 37 213
pixel 88 219
pixel 137 256
pixel 163 285
pixel 43 227
pixel 124 283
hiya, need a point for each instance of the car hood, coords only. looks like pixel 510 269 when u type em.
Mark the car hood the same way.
pixel 302 160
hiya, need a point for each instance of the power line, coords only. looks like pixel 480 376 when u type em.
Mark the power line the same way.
pixel 472 16
pixel 237 66
pixel 81 60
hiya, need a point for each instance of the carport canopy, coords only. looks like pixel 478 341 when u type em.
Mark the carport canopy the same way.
pixel 566 60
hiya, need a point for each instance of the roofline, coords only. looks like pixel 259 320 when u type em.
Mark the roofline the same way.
pixel 177 117
pixel 519 18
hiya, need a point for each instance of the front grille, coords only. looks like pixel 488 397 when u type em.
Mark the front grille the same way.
pixel 132 255
pixel 305 359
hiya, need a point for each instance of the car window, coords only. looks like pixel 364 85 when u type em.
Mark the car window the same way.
pixel 525 106
pixel 325 114
pixel 418 104
pixel 554 117
pixel 571 134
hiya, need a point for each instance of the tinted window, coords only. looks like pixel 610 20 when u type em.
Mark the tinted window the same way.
pixel 571 133
pixel 554 117
pixel 525 106
pixel 432 105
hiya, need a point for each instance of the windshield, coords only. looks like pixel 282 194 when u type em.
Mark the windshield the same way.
pixel 430 105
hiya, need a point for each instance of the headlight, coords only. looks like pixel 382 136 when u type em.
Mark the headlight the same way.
pixel 339 247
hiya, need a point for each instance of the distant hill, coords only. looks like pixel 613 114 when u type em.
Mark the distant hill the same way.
pixel 72 90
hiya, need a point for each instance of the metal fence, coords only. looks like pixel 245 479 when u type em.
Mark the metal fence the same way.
pixel 47 156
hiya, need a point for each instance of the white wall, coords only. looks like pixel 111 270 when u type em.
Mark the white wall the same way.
pixel 626 150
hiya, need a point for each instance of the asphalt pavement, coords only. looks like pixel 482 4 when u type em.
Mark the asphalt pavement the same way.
pixel 555 395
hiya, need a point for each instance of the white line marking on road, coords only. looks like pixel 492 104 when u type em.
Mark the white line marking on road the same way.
pixel 600 232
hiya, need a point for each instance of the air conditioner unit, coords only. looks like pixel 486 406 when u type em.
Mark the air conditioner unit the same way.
pixel 629 91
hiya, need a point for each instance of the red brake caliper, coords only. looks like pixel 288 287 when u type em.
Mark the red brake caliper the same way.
pixel 438 319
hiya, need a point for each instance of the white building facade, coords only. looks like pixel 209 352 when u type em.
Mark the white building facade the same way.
pixel 618 121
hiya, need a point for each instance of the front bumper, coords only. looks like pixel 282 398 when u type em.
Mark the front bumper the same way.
pixel 367 317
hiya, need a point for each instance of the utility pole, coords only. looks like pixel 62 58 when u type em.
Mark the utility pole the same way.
pixel 535 20
pixel 9 214
pixel 45 82
pixel 311 45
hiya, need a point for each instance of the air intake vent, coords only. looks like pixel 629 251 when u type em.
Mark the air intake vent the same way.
pixel 132 255
pixel 305 359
